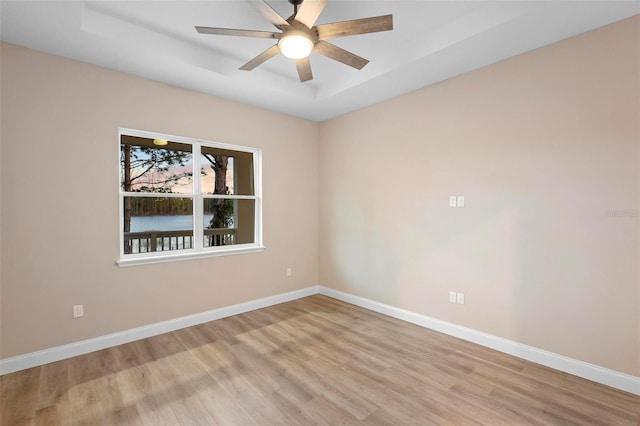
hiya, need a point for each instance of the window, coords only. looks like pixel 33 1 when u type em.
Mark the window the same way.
pixel 185 198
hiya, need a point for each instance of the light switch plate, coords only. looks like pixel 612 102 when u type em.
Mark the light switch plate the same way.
pixel 78 311
pixel 452 201
pixel 460 200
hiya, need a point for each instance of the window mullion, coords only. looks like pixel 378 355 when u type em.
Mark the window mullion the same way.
pixel 257 182
pixel 198 225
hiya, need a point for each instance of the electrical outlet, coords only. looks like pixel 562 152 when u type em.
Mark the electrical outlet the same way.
pixel 78 311
pixel 453 297
pixel 289 272
pixel 460 200
pixel 460 299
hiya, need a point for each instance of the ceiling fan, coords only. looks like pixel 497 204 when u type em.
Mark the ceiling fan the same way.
pixel 299 37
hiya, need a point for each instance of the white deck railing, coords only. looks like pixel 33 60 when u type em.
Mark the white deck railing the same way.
pixel 150 241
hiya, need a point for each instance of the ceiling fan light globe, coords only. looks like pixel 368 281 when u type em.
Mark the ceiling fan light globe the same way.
pixel 295 46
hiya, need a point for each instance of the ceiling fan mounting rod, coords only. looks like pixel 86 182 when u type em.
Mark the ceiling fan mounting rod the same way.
pixel 295 4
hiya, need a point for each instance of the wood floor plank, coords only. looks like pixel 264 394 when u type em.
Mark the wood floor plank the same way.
pixel 47 416
pixel 54 380
pixel 312 361
pixel 152 411
pixel 594 391
pixel 19 396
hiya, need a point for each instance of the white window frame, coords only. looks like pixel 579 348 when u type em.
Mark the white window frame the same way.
pixel 198 251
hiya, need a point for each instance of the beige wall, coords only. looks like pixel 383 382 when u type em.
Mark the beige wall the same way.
pixel 60 195
pixel 542 146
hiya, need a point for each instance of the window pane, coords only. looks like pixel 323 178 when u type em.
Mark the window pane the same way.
pixel 226 172
pixel 227 222
pixel 148 167
pixel 157 224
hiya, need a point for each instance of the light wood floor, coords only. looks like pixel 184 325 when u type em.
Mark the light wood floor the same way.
pixel 311 361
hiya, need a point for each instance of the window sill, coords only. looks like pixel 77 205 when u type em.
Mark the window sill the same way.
pixel 174 257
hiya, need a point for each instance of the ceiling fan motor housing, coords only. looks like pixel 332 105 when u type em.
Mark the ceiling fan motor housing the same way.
pixel 296 27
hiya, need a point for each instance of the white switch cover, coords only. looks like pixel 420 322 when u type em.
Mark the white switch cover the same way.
pixel 289 272
pixel 452 297
pixel 452 201
pixel 78 311
pixel 460 200
pixel 461 298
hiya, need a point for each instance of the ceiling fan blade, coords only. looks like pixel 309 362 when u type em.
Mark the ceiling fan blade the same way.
pixel 309 11
pixel 261 58
pixel 268 12
pixel 338 54
pixel 355 27
pixel 304 69
pixel 236 32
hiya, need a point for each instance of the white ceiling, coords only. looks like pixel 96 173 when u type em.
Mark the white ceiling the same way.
pixel 431 41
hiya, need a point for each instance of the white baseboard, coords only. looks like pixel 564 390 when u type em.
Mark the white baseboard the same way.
pixel 34 359
pixel 578 368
